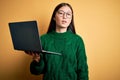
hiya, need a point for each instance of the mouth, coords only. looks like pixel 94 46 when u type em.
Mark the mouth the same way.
pixel 64 21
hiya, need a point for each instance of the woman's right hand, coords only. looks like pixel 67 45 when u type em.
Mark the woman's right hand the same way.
pixel 35 56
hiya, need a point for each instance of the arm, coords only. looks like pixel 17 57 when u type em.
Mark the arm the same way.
pixel 82 67
pixel 37 67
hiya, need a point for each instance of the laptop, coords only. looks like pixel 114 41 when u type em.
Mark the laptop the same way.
pixel 25 36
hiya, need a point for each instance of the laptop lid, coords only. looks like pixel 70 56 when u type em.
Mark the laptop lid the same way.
pixel 25 36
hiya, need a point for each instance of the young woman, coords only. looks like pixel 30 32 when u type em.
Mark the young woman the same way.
pixel 62 38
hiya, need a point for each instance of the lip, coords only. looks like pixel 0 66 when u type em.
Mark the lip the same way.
pixel 64 21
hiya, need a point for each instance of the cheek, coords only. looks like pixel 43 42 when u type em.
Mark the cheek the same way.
pixel 57 20
pixel 69 21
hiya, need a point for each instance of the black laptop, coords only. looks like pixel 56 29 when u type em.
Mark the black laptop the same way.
pixel 25 37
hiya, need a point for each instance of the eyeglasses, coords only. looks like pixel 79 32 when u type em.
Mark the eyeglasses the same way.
pixel 62 13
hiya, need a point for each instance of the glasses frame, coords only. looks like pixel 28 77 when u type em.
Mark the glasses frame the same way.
pixel 61 13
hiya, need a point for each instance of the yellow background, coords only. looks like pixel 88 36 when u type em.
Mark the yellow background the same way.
pixel 97 21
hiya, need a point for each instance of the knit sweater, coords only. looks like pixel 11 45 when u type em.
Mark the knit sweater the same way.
pixel 71 65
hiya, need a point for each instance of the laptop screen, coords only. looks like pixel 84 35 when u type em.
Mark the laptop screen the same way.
pixel 25 36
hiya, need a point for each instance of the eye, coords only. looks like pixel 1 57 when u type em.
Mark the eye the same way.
pixel 69 14
pixel 60 13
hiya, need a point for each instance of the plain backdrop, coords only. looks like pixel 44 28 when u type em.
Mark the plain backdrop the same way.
pixel 96 21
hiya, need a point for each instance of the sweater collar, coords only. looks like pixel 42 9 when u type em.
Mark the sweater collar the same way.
pixel 61 35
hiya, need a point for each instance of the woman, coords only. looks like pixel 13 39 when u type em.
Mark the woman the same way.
pixel 62 38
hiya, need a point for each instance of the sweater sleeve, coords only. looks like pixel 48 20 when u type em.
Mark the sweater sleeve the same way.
pixel 37 68
pixel 82 67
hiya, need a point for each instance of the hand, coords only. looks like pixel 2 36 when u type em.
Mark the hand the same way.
pixel 35 55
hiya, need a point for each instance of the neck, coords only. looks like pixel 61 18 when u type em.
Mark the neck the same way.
pixel 61 30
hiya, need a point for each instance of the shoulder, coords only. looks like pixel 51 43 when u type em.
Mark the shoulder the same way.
pixel 79 41
pixel 45 36
pixel 77 37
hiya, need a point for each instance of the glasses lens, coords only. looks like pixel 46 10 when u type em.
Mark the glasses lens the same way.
pixel 62 13
pixel 69 15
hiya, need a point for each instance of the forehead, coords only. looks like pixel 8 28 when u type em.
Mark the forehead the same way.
pixel 65 8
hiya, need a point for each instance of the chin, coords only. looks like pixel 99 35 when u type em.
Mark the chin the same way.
pixel 64 26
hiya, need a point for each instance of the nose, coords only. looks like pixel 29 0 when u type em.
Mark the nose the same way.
pixel 64 15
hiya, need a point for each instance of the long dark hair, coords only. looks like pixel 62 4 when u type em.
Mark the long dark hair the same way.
pixel 52 25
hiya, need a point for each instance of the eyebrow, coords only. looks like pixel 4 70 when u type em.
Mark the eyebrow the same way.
pixel 66 12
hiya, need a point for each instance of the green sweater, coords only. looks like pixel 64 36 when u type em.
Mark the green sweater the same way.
pixel 71 65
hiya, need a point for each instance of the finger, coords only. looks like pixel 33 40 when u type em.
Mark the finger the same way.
pixel 26 52
pixel 33 54
pixel 37 54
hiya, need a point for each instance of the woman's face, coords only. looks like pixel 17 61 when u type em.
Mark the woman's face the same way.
pixel 63 17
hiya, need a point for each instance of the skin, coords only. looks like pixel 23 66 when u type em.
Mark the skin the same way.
pixel 62 23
